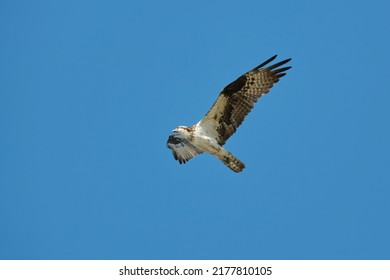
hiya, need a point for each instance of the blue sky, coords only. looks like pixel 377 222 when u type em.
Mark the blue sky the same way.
pixel 90 91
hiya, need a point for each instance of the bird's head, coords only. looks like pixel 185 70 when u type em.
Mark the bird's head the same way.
pixel 182 130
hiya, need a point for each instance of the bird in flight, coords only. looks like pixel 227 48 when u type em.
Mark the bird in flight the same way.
pixel 234 102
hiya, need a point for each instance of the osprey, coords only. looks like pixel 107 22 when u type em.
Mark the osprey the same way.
pixel 234 102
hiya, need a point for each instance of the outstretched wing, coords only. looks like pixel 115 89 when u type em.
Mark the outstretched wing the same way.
pixel 238 98
pixel 181 148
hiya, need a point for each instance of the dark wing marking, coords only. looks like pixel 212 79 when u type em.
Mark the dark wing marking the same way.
pixel 181 148
pixel 238 98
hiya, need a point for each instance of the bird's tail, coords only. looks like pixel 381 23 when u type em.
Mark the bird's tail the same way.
pixel 231 161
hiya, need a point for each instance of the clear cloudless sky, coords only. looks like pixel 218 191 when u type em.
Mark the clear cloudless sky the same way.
pixel 91 90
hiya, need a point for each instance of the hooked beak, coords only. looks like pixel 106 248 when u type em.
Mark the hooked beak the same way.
pixel 175 130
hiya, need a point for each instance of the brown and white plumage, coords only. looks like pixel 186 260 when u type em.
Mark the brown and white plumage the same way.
pixel 183 150
pixel 235 101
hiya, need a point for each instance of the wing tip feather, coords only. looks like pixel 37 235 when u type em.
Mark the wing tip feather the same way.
pixel 274 65
pixel 280 70
pixel 265 62
pixel 280 63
